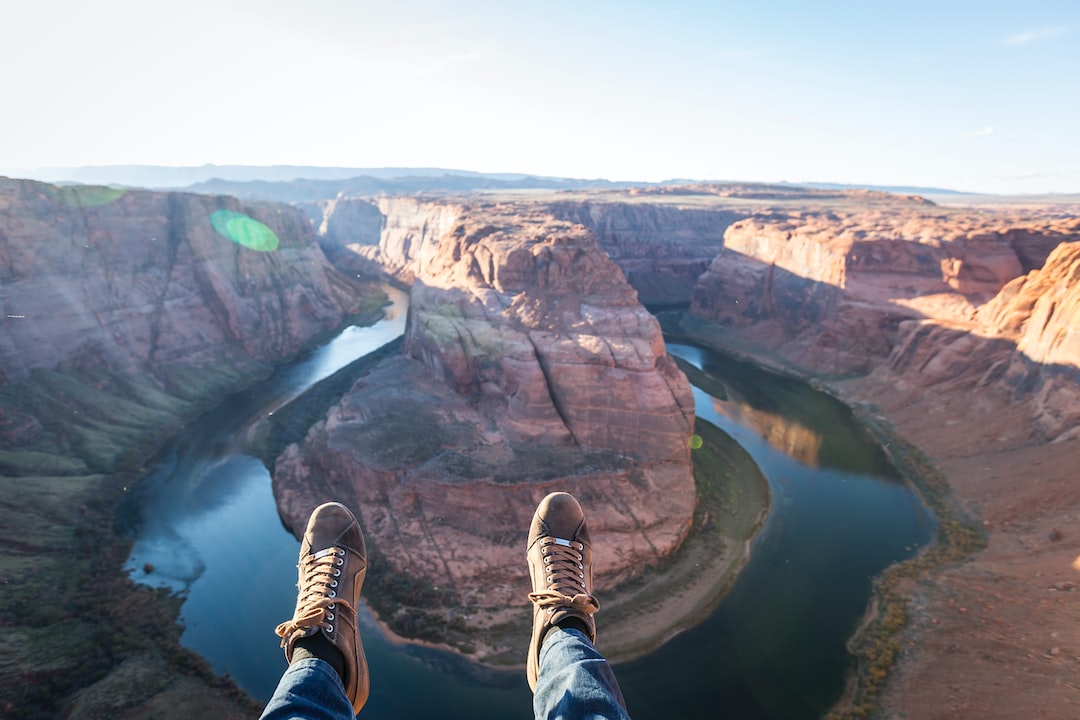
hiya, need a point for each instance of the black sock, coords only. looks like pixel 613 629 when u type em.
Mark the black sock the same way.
pixel 575 624
pixel 317 646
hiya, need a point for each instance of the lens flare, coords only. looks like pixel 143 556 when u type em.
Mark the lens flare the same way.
pixel 85 196
pixel 695 442
pixel 244 230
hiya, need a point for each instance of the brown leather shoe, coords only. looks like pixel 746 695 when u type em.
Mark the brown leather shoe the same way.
pixel 560 562
pixel 333 563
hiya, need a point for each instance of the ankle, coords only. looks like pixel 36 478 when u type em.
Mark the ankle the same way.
pixel 573 623
pixel 319 647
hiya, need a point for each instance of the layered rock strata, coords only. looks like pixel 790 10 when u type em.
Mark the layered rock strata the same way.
pixel 661 248
pixel 128 293
pixel 533 368
pixel 831 290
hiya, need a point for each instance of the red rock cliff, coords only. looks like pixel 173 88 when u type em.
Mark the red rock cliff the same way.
pixel 831 290
pixel 111 287
pixel 535 369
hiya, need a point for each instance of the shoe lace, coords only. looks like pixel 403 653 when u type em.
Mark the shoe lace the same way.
pixel 565 578
pixel 316 599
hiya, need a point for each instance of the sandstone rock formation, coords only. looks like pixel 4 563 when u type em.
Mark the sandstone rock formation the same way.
pixel 830 290
pixel 534 368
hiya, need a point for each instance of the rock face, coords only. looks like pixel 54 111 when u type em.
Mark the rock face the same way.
pixel 534 368
pixel 116 288
pixel 831 290
pixel 389 236
pixel 526 313
pixel 661 248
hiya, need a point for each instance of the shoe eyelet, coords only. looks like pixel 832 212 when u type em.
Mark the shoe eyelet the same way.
pixel 330 629
pixel 333 594
pixel 330 616
pixel 333 583
pixel 337 573
pixel 331 606
pixel 340 561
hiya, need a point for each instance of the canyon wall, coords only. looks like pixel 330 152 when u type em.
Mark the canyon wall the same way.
pixel 661 248
pixel 158 301
pixel 832 291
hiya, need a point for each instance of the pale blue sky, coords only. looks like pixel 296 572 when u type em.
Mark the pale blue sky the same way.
pixel 981 96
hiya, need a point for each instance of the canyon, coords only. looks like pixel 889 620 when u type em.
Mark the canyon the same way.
pixel 530 366
pixel 530 363
pixel 950 328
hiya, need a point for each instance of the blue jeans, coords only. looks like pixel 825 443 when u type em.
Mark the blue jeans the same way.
pixel 309 689
pixel 575 682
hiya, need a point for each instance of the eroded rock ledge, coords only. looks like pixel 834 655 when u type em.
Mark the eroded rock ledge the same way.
pixel 531 367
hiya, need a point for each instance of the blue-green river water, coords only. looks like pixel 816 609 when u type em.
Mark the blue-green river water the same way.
pixel 206 520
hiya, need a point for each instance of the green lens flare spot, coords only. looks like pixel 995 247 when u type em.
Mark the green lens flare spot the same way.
pixel 85 196
pixel 244 230
pixel 695 442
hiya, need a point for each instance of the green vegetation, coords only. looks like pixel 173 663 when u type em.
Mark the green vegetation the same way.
pixel 70 614
pixel 877 644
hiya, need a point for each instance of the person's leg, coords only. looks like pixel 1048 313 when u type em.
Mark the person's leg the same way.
pixel 327 675
pixel 310 689
pixel 575 681
pixel 569 678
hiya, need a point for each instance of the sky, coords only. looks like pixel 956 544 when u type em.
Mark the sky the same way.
pixel 978 96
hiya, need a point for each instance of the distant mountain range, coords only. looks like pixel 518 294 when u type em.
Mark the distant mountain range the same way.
pixel 300 183
pixel 168 177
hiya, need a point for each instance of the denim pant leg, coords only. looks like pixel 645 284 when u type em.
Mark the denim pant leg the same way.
pixel 574 681
pixel 310 689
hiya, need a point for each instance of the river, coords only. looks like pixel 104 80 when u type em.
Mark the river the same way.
pixel 205 524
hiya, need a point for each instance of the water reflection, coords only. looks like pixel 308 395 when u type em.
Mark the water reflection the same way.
pixel 807 425
pixel 775 648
